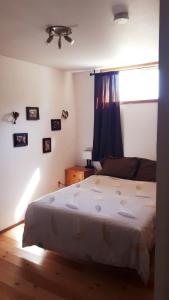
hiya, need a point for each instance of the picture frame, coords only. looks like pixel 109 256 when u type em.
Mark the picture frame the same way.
pixel 20 139
pixel 32 113
pixel 55 124
pixel 46 145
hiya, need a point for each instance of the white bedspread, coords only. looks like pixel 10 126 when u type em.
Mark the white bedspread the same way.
pixel 102 219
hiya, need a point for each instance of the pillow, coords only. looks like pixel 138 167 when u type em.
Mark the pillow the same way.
pixel 146 170
pixel 97 165
pixel 119 167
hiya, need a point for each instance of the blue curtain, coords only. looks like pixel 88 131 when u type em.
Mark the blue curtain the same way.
pixel 107 140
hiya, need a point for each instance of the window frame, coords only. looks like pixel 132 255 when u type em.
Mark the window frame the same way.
pixel 134 67
pixel 139 101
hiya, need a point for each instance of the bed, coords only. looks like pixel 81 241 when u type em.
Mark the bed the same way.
pixel 101 219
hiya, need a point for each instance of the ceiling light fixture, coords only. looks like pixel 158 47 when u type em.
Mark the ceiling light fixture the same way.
pixel 121 18
pixel 59 31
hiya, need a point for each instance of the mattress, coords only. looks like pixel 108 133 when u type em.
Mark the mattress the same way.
pixel 101 219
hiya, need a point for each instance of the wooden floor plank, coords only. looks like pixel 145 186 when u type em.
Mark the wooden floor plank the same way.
pixel 47 275
pixel 9 293
pixel 17 278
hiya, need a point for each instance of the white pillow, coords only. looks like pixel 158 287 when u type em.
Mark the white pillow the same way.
pixel 97 165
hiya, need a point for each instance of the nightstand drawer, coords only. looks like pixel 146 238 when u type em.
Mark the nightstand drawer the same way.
pixel 76 174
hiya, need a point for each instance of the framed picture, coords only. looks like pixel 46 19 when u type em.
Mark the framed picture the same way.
pixel 32 113
pixel 20 139
pixel 56 124
pixel 46 144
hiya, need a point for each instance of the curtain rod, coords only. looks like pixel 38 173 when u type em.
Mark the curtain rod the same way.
pixel 131 67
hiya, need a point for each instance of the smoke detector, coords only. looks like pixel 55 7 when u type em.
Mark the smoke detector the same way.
pixel 121 18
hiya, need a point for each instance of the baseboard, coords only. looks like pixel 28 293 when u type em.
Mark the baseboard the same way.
pixel 11 227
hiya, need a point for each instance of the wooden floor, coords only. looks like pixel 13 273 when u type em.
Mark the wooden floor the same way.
pixel 33 273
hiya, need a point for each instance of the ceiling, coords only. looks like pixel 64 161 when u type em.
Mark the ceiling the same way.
pixel 99 42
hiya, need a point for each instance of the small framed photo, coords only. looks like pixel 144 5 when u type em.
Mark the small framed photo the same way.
pixel 55 124
pixel 32 113
pixel 20 139
pixel 46 145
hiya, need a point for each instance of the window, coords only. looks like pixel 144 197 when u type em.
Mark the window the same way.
pixel 139 84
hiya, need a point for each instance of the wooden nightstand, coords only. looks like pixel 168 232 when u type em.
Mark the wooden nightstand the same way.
pixel 76 174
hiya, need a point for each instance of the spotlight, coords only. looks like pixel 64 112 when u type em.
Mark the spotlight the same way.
pixel 69 39
pixel 50 38
pixel 60 42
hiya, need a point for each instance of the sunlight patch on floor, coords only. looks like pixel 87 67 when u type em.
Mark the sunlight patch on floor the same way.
pixel 16 234
pixel 27 195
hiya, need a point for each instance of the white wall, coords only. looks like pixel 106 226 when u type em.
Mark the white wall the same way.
pixel 84 93
pixel 139 122
pixel 25 169
pixel 139 127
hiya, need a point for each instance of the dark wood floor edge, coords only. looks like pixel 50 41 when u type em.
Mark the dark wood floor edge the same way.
pixel 11 227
